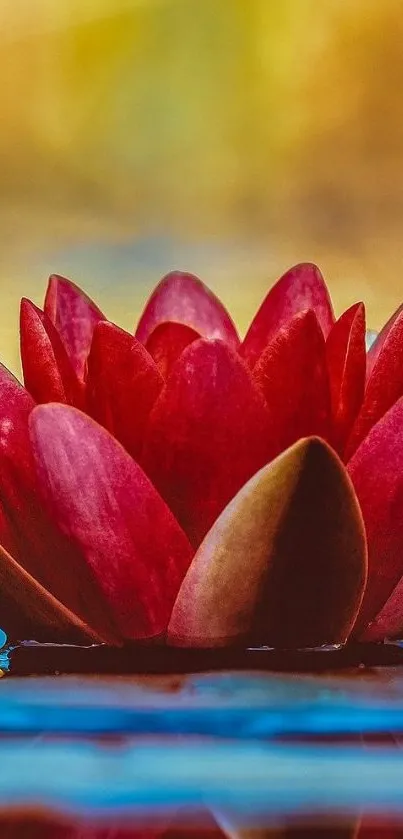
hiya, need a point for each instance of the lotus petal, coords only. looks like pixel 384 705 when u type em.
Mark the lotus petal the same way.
pixel 8 538
pixel 104 503
pixel 379 340
pixel 74 316
pixel 377 474
pixel 39 546
pixel 183 298
pixel 284 564
pixel 207 434
pixel 384 385
pixel 48 374
pixel 292 374
pixel 167 342
pixel 389 622
pixel 123 383
pixel 345 348
pixel 29 611
pixel 301 288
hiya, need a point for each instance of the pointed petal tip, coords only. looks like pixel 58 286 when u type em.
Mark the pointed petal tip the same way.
pixel 123 383
pixel 48 373
pixel 384 381
pixel 167 342
pixel 302 287
pixel 184 298
pixel 74 315
pixel 346 360
pixel 57 283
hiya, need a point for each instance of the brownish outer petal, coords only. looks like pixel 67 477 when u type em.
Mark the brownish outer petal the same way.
pixel 284 564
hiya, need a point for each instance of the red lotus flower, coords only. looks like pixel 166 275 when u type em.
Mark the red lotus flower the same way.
pixel 187 485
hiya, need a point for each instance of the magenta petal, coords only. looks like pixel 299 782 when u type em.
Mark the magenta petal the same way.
pixel 102 500
pixel 377 474
pixel 345 349
pixel 389 622
pixel 380 339
pixel 29 611
pixel 292 374
pixel 39 546
pixel 301 288
pixel 8 539
pixel 48 374
pixel 183 298
pixel 123 383
pixel 384 385
pixel 74 316
pixel 207 434
pixel 167 342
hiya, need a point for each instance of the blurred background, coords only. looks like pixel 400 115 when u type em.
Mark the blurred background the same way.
pixel 231 138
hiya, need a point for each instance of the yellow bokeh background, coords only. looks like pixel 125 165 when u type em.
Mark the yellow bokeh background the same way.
pixel 231 138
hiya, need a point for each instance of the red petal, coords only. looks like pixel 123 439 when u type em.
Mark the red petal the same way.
pixel 167 342
pixel 48 374
pixel 284 564
pixel 29 611
pixel 39 546
pixel 389 622
pixel 74 315
pixel 377 474
pixel 292 374
pixel 102 500
pixel 207 434
pixel 301 288
pixel 384 386
pixel 380 339
pixel 8 539
pixel 122 384
pixel 345 348
pixel 185 299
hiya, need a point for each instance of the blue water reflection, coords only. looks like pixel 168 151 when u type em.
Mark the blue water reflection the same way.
pixel 130 755
pixel 228 706
pixel 105 748
pixel 255 782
